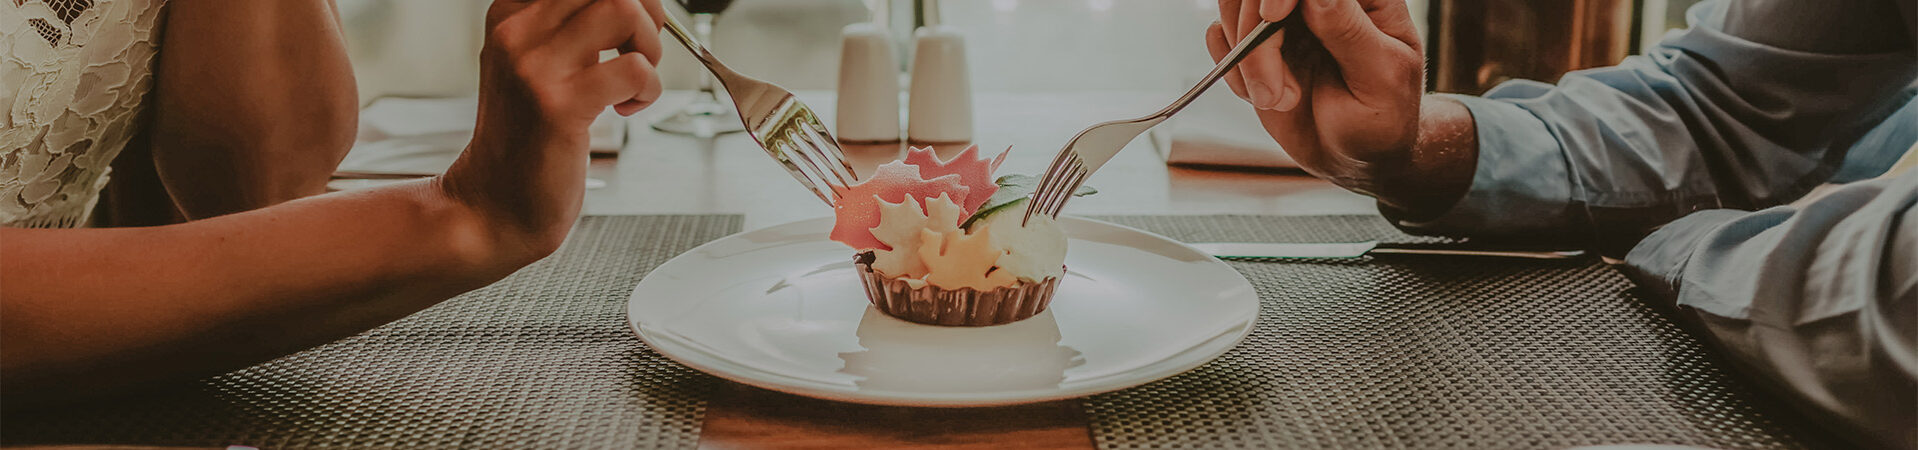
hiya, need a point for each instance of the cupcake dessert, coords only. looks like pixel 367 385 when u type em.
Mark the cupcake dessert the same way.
pixel 945 243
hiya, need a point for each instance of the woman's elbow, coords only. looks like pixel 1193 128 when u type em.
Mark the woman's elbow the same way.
pixel 257 155
pixel 312 138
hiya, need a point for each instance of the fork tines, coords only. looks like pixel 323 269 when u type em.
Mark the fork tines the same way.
pixel 1061 179
pixel 779 122
pixel 801 144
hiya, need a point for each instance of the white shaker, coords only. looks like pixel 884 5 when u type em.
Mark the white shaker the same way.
pixel 868 107
pixel 940 101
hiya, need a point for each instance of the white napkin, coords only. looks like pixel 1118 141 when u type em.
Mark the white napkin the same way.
pixel 425 135
pixel 1219 129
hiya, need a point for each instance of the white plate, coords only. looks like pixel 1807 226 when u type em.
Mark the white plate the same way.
pixel 780 308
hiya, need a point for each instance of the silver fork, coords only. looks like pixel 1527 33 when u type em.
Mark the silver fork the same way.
pixel 1092 147
pixel 783 126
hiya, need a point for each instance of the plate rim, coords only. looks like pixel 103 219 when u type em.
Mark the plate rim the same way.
pixel 1157 370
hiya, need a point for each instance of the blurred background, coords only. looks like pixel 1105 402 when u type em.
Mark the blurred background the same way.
pixel 1039 70
pixel 428 48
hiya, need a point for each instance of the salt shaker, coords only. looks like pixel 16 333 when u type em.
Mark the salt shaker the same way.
pixel 940 102
pixel 868 108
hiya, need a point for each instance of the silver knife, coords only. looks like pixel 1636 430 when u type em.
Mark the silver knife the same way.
pixel 1245 250
pixel 379 175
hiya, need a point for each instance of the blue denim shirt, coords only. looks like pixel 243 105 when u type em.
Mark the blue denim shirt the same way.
pixel 1694 147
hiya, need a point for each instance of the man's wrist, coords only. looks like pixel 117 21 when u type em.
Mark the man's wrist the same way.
pixel 1437 171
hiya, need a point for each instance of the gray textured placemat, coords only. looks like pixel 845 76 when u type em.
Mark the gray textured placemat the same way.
pixel 542 359
pixel 1425 352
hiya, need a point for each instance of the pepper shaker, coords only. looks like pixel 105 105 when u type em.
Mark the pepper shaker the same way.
pixel 868 107
pixel 939 106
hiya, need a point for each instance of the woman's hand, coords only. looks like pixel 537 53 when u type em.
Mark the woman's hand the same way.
pixel 1347 110
pixel 541 85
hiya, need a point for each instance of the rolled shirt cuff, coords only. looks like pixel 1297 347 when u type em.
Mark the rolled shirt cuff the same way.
pixel 1657 262
pixel 1520 187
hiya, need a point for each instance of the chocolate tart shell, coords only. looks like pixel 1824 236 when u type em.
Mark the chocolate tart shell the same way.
pixel 965 307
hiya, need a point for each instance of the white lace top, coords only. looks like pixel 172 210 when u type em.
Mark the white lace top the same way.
pixel 74 75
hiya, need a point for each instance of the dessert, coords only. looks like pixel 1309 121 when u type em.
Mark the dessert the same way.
pixel 945 243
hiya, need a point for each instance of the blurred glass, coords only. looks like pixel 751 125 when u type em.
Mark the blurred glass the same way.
pixel 1481 43
pixel 706 116
pixel 705 6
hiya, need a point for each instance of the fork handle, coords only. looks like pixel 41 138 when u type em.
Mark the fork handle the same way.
pixel 698 50
pixel 1261 32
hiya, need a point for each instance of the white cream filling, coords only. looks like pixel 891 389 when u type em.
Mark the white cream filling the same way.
pixel 1033 251
pixel 997 251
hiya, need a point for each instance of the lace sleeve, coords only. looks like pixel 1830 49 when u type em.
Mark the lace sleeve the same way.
pixel 74 75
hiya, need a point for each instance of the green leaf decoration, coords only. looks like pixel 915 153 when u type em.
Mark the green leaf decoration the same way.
pixel 1014 191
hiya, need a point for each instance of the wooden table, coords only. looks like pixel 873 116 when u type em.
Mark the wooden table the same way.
pixel 658 173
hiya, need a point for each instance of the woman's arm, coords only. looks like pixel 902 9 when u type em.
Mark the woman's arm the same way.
pixel 93 310
pixel 103 308
pixel 254 103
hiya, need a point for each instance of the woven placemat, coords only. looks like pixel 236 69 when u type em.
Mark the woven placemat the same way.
pixel 542 359
pixel 1421 352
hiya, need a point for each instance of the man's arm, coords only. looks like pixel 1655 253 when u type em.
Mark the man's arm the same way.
pixel 1821 298
pixel 254 103
pixel 1752 107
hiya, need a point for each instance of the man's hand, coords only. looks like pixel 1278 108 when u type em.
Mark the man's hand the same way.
pixel 541 85
pixel 1347 110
